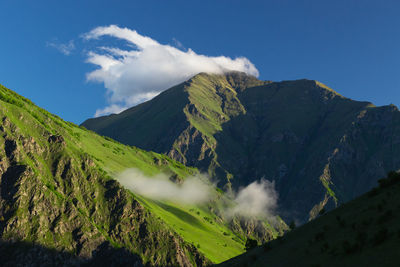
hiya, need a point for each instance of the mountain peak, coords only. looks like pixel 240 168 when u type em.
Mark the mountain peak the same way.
pixel 237 80
pixel 238 128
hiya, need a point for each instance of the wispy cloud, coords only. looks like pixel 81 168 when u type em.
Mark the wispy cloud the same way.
pixel 178 44
pixel 193 190
pixel 64 48
pixel 258 199
pixel 147 68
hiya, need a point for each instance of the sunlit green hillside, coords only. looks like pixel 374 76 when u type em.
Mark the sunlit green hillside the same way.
pixel 73 169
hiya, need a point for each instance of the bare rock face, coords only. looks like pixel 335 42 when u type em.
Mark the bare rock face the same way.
pixel 56 139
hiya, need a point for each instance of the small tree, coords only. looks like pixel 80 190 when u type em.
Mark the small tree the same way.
pixel 251 243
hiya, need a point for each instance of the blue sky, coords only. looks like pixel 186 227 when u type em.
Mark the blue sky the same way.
pixel 352 46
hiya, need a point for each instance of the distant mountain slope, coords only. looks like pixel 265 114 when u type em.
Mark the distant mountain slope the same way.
pixel 363 232
pixel 319 147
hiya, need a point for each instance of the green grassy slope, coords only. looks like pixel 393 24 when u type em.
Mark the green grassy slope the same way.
pixel 199 227
pixel 78 151
pixel 320 148
pixel 363 232
pixel 56 190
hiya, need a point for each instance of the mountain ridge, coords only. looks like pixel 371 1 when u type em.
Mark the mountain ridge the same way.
pixel 240 129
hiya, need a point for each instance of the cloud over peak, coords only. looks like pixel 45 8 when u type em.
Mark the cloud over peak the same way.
pixel 147 68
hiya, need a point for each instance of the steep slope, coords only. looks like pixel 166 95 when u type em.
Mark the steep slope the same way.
pixel 363 232
pixel 57 194
pixel 320 148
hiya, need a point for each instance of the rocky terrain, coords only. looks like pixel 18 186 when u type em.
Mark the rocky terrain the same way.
pixel 59 206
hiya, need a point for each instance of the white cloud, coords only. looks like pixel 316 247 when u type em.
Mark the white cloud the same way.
pixel 65 49
pixel 178 44
pixel 148 67
pixel 112 109
pixel 258 199
pixel 193 190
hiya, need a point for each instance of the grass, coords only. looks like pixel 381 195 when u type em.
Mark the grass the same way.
pixel 189 222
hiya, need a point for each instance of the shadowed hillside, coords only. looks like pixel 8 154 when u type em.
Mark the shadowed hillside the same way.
pixel 363 232
pixel 30 254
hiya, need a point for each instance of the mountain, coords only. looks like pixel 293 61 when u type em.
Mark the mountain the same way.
pixel 320 148
pixel 56 194
pixel 362 232
pixel 60 203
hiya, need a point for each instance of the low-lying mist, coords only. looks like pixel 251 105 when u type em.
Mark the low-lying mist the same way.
pixel 258 199
pixel 193 190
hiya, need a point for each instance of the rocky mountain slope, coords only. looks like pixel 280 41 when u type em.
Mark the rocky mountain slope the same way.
pixel 320 148
pixel 59 200
pixel 363 232
pixel 59 206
